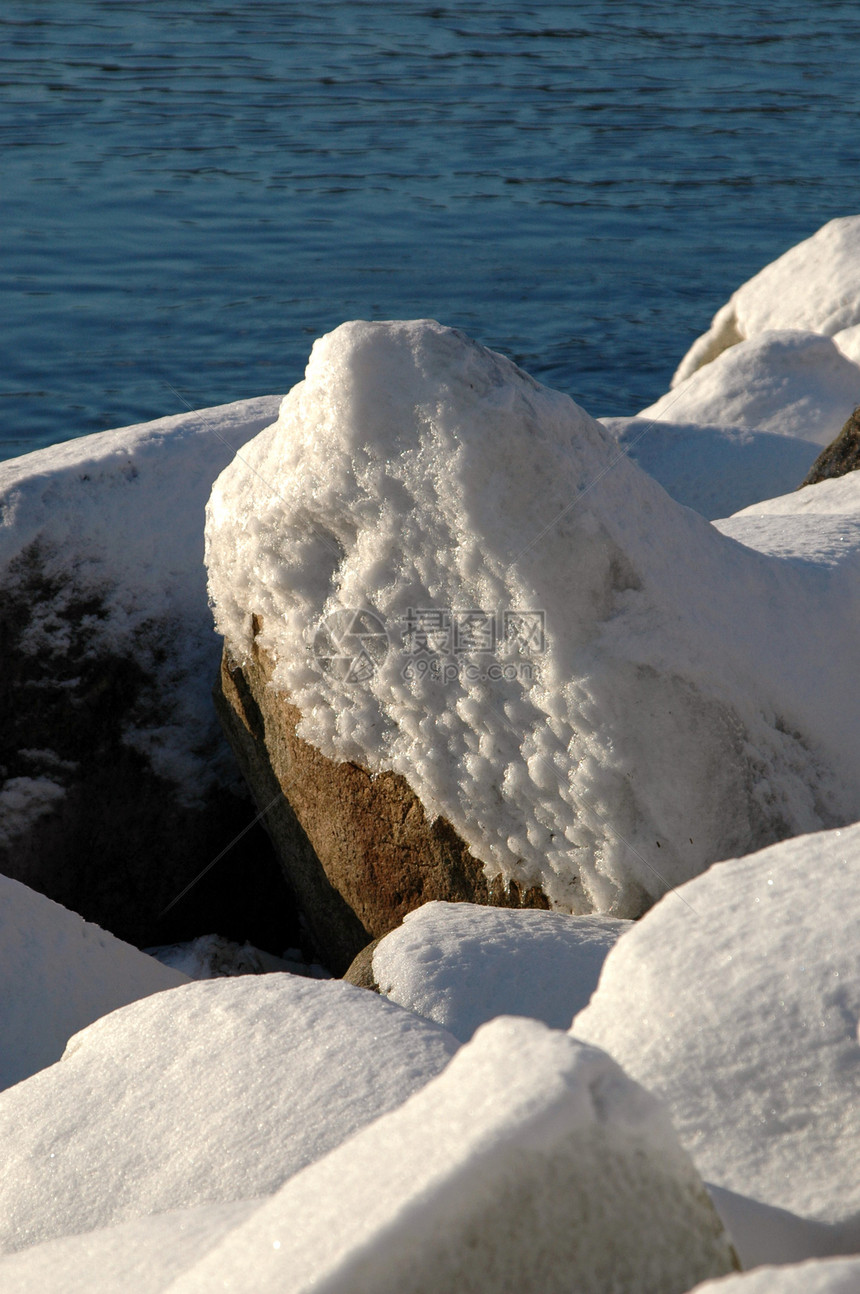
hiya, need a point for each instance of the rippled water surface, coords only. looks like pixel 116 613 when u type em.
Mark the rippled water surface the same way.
pixel 191 192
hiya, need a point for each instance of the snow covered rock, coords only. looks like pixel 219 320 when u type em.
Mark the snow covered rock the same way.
pixel 714 470
pixel 841 456
pixel 116 786
pixel 632 694
pixel 359 851
pixel 814 286
pixel 461 965
pixel 795 384
pixel 58 974
pixel 218 1090
pixel 737 1001
pixel 830 1276
pixel 531 1164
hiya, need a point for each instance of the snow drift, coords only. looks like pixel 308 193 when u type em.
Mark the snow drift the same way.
pixel 678 710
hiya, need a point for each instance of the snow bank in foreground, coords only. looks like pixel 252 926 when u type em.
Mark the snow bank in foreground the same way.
pixel 111 528
pixel 831 1276
pixel 218 1090
pixel 736 1000
pixel 531 1164
pixel 814 286
pixel 59 973
pixel 678 710
pixel 714 470
pixel 787 383
pixel 461 965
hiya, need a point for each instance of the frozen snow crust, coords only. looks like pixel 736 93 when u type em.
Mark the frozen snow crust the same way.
pixel 737 1001
pixel 218 1090
pixel 461 965
pixel 672 719
pixel 814 286
pixel 531 1164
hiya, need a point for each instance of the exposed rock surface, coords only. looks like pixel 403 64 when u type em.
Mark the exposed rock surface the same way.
pixel 841 455
pixel 357 848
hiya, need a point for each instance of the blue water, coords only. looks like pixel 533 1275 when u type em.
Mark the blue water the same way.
pixel 191 192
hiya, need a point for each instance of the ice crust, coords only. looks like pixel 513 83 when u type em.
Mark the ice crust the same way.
pixel 117 518
pixel 531 1164
pixel 787 383
pixel 59 973
pixel 814 286
pixel 462 965
pixel 215 1091
pixel 683 673
pixel 736 1000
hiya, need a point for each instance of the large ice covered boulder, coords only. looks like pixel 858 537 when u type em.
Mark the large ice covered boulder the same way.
pixel 218 1090
pixel 737 1001
pixel 531 1164
pixel 116 786
pixel 455 578
pixel 462 965
pixel 59 973
pixel 814 286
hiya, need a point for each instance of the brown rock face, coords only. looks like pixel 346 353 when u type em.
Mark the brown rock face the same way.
pixel 842 455
pixel 356 847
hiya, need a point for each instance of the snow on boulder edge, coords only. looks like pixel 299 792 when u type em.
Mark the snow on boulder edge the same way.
pixel 453 576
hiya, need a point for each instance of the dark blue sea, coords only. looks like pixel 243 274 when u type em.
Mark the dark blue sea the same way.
pixel 191 192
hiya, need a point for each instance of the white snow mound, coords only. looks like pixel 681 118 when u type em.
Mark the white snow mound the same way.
pixel 59 973
pixel 461 965
pixel 736 1000
pixel 677 710
pixel 795 384
pixel 218 1090
pixel 826 1276
pixel 531 1164
pixel 814 286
